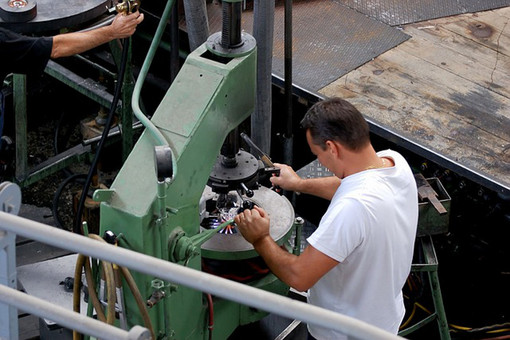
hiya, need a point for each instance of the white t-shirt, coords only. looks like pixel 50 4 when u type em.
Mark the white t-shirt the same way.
pixel 370 228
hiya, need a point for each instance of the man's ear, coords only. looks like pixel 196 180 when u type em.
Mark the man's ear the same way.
pixel 336 149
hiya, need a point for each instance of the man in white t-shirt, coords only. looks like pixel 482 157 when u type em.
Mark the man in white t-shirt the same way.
pixel 359 257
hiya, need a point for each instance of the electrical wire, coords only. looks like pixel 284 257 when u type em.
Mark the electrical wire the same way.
pixel 211 315
pixel 93 167
pixel 57 195
pixel 492 332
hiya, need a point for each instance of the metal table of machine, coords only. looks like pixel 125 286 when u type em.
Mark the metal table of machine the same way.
pixel 52 15
pixel 44 280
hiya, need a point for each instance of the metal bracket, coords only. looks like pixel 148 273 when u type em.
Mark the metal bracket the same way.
pixel 103 195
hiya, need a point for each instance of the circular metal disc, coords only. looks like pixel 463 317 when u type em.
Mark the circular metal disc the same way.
pixel 54 15
pixel 234 246
pixel 18 10
pixel 246 168
pixel 213 44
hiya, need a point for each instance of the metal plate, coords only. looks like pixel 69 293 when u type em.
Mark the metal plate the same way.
pixel 234 246
pixel 54 15
pixel 329 40
pixel 399 12
pixel 314 170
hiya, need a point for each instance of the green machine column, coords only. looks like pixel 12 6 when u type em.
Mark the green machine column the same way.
pixel 209 98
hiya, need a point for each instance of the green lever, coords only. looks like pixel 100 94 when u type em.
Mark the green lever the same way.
pixel 204 236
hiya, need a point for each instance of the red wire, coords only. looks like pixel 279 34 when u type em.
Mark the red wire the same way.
pixel 211 315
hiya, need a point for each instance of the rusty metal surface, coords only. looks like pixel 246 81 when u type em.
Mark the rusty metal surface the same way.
pixel 399 12
pixel 329 40
pixel 54 15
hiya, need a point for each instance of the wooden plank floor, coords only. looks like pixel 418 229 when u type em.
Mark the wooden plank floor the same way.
pixel 446 90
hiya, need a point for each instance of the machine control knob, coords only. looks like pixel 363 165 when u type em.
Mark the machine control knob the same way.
pixel 110 237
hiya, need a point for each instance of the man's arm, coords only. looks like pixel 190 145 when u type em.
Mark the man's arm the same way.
pixel 68 44
pixel 300 272
pixel 324 187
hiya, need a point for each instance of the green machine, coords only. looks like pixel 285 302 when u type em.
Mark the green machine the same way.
pixel 176 201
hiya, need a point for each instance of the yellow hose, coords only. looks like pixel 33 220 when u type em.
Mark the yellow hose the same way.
pixel 112 281
pixel 92 291
pixel 76 290
pixel 142 306
pixel 110 285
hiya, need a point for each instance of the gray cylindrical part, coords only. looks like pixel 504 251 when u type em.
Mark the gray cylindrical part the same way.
pixel 263 32
pixel 197 23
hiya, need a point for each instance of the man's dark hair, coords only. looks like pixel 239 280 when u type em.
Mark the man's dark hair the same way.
pixel 337 120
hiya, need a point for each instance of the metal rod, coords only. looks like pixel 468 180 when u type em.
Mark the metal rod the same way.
pixel 174 41
pixel 135 100
pixel 67 318
pixel 197 22
pixel 288 66
pixel 288 139
pixel 20 111
pixel 195 279
pixel 263 32
pixel 8 314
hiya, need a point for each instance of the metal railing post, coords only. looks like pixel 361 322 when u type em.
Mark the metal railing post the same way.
pixel 8 313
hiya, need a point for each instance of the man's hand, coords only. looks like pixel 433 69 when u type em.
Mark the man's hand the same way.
pixel 288 178
pixel 124 26
pixel 68 44
pixel 253 224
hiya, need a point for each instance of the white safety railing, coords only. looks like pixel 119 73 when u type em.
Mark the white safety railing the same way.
pixel 198 280
pixel 65 317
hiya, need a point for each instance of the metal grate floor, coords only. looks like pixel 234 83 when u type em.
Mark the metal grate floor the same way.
pixel 399 12
pixel 329 40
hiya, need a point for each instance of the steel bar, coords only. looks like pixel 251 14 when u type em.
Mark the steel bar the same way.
pixel 8 314
pixel 263 32
pixel 20 113
pixel 178 274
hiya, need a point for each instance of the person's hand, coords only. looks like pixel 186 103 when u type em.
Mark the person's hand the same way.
pixel 288 178
pixel 124 26
pixel 253 224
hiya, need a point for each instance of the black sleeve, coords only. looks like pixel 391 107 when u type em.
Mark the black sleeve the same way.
pixel 22 54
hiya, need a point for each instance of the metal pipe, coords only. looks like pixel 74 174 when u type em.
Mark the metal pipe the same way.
pixel 161 202
pixel 67 318
pixel 263 31
pixel 288 134
pixel 135 100
pixel 197 23
pixel 174 41
pixel 195 279
pixel 8 314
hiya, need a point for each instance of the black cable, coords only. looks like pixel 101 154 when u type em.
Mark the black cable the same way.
pixel 93 167
pixel 56 197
